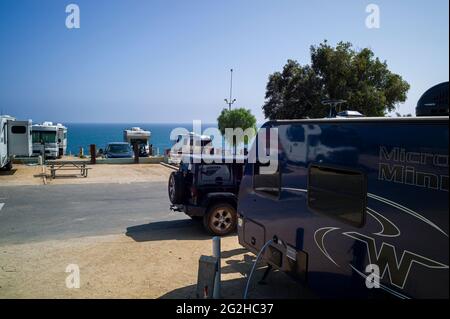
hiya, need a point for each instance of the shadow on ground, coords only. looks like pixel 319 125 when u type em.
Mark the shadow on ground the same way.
pixel 63 176
pixel 8 173
pixel 185 229
pixel 277 286
pixel 238 262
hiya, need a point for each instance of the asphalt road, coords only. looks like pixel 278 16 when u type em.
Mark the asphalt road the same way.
pixel 37 213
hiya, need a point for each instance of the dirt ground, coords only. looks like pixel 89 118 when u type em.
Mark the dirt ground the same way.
pixel 101 173
pixel 21 175
pixel 143 263
pixel 135 265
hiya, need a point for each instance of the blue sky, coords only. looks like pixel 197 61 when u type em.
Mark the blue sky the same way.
pixel 169 61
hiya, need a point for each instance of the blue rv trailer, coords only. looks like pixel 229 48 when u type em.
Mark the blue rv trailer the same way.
pixel 353 202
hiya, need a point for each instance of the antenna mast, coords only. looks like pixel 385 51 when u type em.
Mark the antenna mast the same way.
pixel 230 101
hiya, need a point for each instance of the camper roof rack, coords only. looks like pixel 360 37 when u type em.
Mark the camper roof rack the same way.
pixel 333 104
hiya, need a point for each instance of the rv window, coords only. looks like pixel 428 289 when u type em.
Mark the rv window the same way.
pixel 266 179
pixel 44 136
pixel 266 176
pixel 338 193
pixel 18 129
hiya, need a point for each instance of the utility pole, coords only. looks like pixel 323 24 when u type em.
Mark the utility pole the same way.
pixel 231 100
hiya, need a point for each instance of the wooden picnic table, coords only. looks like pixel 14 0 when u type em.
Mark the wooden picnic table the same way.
pixel 55 166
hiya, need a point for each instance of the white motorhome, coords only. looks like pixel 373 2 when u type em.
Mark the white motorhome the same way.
pixel 138 136
pixel 191 143
pixel 15 140
pixel 49 139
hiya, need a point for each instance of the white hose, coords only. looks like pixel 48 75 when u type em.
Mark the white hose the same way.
pixel 254 266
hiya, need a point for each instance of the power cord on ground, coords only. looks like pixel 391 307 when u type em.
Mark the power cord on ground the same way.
pixel 254 266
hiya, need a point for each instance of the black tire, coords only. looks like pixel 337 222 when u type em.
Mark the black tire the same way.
pixel 8 167
pixel 220 219
pixel 176 188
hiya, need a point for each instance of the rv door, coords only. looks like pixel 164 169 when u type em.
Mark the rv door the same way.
pixel 19 138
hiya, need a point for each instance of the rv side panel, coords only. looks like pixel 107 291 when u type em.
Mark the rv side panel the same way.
pixel 350 194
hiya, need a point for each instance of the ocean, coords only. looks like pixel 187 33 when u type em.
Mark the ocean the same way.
pixel 100 134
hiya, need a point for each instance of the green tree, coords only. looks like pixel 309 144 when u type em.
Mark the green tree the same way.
pixel 234 119
pixel 339 72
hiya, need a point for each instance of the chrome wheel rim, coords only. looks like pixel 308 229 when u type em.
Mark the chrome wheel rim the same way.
pixel 221 220
pixel 171 187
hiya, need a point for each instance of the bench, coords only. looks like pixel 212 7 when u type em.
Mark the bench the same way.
pixel 68 166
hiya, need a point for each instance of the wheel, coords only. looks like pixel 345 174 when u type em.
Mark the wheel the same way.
pixel 175 188
pixel 8 166
pixel 220 219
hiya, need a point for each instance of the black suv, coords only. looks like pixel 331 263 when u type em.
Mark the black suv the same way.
pixel 208 192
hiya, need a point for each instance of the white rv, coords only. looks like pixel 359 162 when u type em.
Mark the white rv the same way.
pixel 138 136
pixel 15 140
pixel 191 143
pixel 49 139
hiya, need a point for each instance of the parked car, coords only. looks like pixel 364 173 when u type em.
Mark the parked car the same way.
pixel 119 150
pixel 207 192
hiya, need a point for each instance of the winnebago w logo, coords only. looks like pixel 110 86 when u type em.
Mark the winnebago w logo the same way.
pixel 388 262
pixel 394 265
